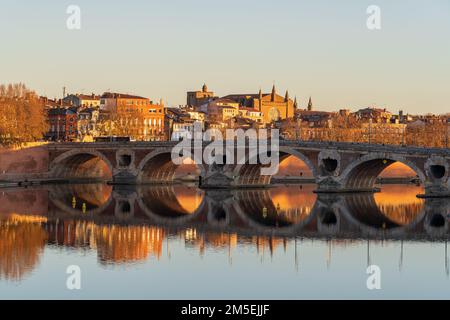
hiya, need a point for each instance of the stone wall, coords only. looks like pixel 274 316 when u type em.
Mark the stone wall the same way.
pixel 26 163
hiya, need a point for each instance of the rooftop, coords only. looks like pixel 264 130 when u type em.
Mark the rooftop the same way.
pixel 115 95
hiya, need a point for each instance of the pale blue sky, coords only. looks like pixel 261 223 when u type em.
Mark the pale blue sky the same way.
pixel 165 48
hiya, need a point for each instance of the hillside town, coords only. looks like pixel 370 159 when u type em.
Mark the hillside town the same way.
pixel 111 115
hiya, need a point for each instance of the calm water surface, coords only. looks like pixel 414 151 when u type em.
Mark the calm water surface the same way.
pixel 180 242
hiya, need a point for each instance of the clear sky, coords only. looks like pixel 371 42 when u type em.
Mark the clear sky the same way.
pixel 165 48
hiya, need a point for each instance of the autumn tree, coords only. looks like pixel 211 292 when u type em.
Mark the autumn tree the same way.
pixel 22 115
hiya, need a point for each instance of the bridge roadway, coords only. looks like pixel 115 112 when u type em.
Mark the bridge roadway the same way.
pixel 336 167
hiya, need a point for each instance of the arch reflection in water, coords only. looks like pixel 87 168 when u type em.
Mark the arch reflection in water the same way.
pixel 292 208
pixel 399 203
pixel 278 207
pixel 394 212
pixel 213 218
pixel 166 203
pixel 86 198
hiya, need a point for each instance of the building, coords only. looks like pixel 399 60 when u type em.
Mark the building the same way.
pixel 228 113
pixel 135 115
pixel 198 98
pixel 87 123
pixel 272 106
pixel 375 114
pixel 176 114
pixel 220 125
pixel 391 132
pixel 83 100
pixel 197 115
pixel 154 122
pixel 315 119
pixel 182 129
pixel 119 102
pixel 220 109
pixel 252 114
pixel 62 124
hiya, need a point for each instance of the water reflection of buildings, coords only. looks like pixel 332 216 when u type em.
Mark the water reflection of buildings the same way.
pixel 114 243
pixel 22 241
pixel 258 225
pixel 229 241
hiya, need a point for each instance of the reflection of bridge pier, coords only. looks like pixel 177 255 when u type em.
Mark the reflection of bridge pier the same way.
pixel 437 216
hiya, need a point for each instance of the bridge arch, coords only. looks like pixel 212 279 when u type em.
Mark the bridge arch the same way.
pixel 250 174
pixel 161 205
pixel 71 164
pixel 71 199
pixel 158 167
pixel 364 213
pixel 362 173
pixel 259 211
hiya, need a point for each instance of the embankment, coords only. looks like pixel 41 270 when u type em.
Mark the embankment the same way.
pixel 26 164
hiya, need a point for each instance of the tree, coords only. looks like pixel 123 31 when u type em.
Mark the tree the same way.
pixel 22 115
pixel 124 123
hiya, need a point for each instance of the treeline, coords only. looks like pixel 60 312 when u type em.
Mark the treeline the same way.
pixel 22 115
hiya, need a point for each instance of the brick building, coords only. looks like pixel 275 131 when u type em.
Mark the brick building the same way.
pixel 62 124
pixel 143 117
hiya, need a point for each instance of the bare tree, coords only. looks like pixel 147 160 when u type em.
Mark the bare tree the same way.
pixel 129 123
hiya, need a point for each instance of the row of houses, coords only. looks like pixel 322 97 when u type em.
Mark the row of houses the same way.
pixel 84 117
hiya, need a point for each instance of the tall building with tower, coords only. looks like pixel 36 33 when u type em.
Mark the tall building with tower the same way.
pixel 272 106
pixel 199 98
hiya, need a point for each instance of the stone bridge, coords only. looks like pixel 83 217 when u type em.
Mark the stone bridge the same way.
pixel 336 167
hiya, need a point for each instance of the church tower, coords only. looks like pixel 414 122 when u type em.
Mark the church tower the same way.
pixel 310 105
pixel 274 93
pixel 286 101
pixel 260 99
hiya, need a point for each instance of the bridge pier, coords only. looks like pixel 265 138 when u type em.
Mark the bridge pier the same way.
pixel 337 184
pixel 435 191
pixel 216 177
pixel 124 177
pixel 437 183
